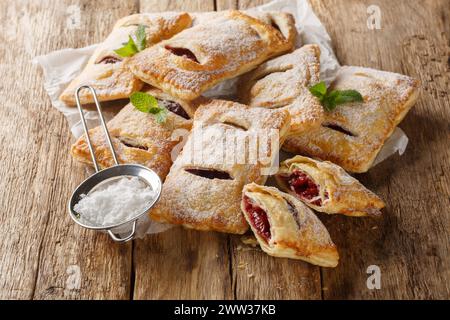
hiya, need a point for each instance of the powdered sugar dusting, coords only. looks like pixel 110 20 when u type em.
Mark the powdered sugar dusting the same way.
pixel 387 99
pixel 227 45
pixel 115 202
pixel 283 83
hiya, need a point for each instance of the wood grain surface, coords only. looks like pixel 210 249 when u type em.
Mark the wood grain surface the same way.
pixel 411 242
pixel 260 276
pixel 43 252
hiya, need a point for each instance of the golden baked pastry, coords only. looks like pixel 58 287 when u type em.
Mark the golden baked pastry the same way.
pixel 353 134
pixel 107 72
pixel 137 137
pixel 282 21
pixel 286 228
pixel 326 187
pixel 218 48
pixel 283 83
pixel 204 185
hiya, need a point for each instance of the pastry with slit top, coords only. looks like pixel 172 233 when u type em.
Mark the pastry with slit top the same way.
pixel 107 72
pixel 283 83
pixel 138 138
pixel 203 188
pixel 353 133
pixel 224 46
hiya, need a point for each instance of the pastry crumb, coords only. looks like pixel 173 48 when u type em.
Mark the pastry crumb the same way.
pixel 249 240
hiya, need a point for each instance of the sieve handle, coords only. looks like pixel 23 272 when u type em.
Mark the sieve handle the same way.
pixel 127 238
pixel 102 121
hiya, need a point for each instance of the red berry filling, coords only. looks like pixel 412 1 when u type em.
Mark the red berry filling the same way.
pixel 304 187
pixel 182 52
pixel 258 218
pixel 210 173
pixel 174 107
pixel 109 60
pixel 130 144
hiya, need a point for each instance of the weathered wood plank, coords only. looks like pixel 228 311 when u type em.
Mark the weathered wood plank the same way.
pixel 43 251
pixel 179 263
pixel 173 5
pixel 257 275
pixel 238 4
pixel 410 243
pixel 182 264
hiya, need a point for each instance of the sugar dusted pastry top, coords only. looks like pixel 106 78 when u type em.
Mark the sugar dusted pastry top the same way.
pixel 283 83
pixel 223 46
pixel 137 137
pixel 282 21
pixel 203 190
pixel 108 72
pixel 353 133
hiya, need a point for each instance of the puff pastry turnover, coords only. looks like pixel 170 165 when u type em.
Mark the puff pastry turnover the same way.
pixel 282 21
pixel 326 187
pixel 137 137
pixel 204 185
pixel 286 228
pixel 218 48
pixel 283 83
pixel 107 72
pixel 353 134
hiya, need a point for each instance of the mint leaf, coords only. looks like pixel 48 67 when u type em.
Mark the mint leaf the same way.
pixel 140 38
pixel 154 110
pixel 129 48
pixel 135 43
pixel 161 116
pixel 147 103
pixel 346 96
pixel 331 99
pixel 329 103
pixel 144 102
pixel 319 90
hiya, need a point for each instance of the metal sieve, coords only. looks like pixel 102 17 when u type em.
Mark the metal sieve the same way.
pixel 117 171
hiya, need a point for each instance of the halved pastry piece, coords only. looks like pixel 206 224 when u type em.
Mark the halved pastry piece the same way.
pixel 229 146
pixel 107 72
pixel 223 46
pixel 137 137
pixel 353 133
pixel 327 188
pixel 286 228
pixel 283 83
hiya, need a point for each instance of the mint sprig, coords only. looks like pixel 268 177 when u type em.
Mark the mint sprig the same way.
pixel 140 38
pixel 331 99
pixel 136 42
pixel 147 103
pixel 129 49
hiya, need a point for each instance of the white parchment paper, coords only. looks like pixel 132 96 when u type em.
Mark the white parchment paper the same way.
pixel 60 67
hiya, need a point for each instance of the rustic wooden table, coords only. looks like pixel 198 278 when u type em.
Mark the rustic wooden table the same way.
pixel 46 256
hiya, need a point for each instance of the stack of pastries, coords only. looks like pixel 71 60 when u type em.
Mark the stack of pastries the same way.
pixel 187 54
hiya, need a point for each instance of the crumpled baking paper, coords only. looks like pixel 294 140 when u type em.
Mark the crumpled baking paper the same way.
pixel 60 67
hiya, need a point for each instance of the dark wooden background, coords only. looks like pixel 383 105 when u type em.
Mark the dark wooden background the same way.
pixel 42 251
